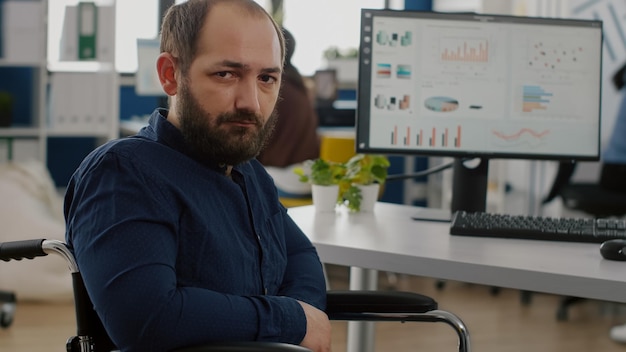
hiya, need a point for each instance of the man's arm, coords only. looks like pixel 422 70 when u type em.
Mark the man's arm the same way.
pixel 304 276
pixel 305 281
pixel 124 239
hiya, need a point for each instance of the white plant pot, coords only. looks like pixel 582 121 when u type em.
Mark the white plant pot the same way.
pixel 325 197
pixel 369 195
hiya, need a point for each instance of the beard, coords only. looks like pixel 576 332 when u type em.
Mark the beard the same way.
pixel 215 138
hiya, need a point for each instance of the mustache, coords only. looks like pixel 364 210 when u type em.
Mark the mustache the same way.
pixel 239 116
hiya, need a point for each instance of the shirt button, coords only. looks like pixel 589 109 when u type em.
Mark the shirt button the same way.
pixel 265 291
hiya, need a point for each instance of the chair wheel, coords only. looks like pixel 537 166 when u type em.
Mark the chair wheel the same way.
pixel 561 314
pixel 6 315
pixel 525 297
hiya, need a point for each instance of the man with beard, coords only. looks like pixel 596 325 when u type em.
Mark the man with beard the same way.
pixel 178 231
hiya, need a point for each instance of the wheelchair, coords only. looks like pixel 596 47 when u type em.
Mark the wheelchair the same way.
pixel 341 305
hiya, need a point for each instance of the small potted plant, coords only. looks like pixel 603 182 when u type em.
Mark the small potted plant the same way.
pixel 364 175
pixel 324 177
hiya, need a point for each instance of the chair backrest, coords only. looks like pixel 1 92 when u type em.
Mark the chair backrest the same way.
pixel 337 148
pixel 588 197
pixel 613 177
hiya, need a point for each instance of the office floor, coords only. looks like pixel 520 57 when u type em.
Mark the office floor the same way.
pixel 497 323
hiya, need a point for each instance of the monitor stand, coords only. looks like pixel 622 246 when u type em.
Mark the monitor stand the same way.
pixel 432 214
pixel 469 191
pixel 469 185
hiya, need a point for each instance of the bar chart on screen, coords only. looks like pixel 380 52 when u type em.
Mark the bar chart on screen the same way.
pixel 441 137
pixel 464 50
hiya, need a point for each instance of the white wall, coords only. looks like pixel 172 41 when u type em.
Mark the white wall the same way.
pixel 320 24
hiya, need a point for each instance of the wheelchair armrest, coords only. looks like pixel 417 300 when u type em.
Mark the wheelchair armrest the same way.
pixel 354 302
pixel 246 347
pixel 392 306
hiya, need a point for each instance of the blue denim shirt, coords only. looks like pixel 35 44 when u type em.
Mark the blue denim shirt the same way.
pixel 174 253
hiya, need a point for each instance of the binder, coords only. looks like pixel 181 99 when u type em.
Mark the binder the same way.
pixel 100 45
pixel 68 50
pixel 22 32
pixel 87 34
pixel 1 30
pixel 80 103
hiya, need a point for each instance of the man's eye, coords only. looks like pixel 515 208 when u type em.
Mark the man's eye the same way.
pixel 224 74
pixel 268 79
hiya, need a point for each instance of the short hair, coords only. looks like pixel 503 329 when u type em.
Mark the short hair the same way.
pixel 182 24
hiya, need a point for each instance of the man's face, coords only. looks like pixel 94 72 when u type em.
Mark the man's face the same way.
pixel 225 103
pixel 230 137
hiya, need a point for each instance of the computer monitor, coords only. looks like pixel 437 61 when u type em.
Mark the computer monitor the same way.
pixel 478 86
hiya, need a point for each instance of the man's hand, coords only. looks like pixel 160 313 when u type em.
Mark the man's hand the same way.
pixel 317 336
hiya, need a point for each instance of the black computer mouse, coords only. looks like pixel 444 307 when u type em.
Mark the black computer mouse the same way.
pixel 614 249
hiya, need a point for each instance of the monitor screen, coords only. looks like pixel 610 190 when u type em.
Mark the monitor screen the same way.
pixel 479 85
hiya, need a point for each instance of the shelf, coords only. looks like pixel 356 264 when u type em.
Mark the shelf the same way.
pixel 9 63
pixel 19 132
pixel 81 66
pixel 57 134
pixel 33 132
pixel 53 91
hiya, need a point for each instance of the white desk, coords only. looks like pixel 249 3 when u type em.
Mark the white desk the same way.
pixel 388 239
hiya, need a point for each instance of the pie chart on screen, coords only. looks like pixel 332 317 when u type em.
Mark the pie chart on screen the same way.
pixel 441 104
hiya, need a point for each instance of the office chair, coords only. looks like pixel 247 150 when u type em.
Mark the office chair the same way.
pixel 587 197
pixel 341 305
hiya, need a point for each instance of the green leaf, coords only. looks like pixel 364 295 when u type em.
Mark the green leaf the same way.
pixel 352 197
pixel 321 172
